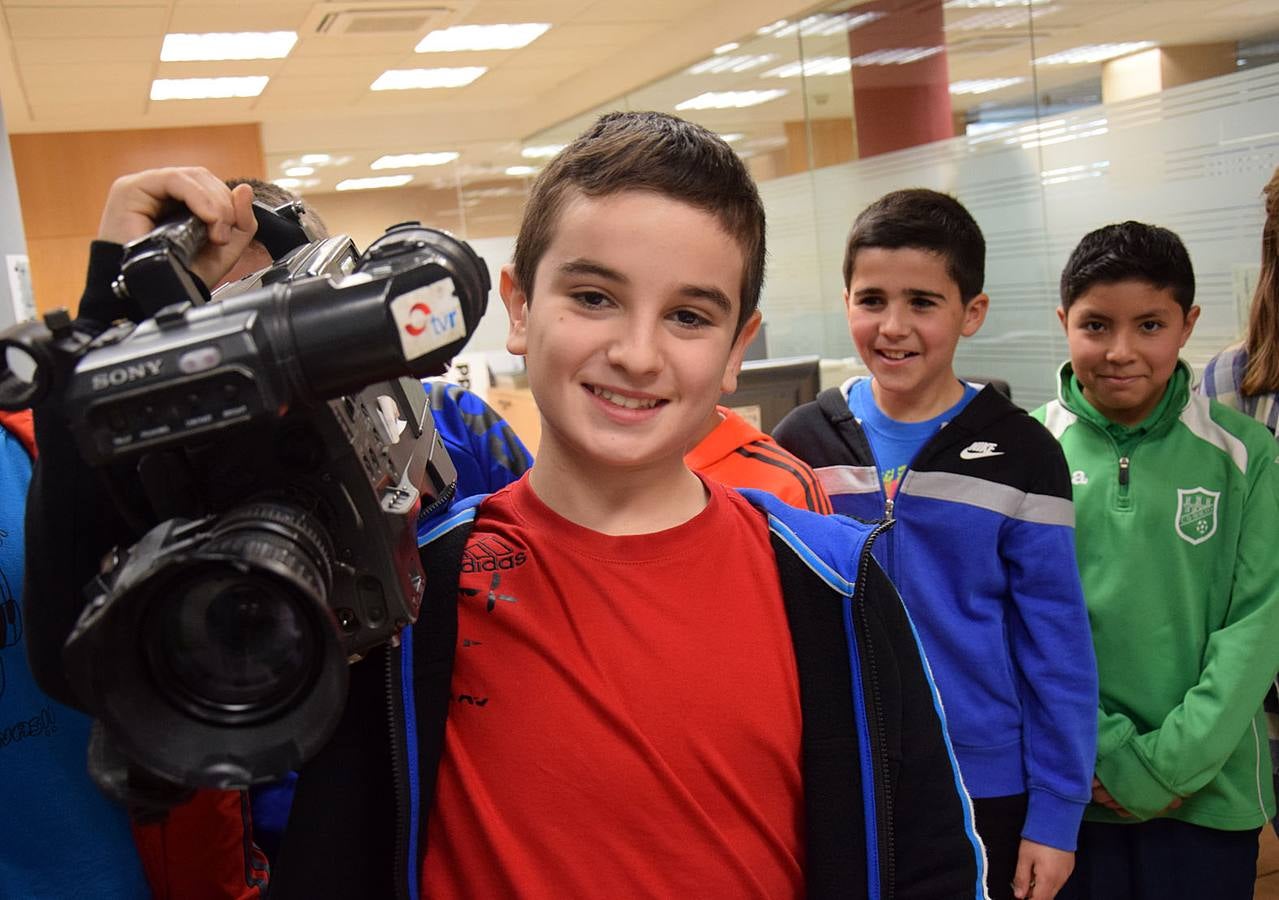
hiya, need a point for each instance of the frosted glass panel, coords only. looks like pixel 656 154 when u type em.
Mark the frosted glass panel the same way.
pixel 1192 158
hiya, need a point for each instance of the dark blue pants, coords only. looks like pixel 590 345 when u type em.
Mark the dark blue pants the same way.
pixel 1162 859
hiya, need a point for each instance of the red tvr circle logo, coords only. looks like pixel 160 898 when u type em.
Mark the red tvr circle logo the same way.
pixel 419 317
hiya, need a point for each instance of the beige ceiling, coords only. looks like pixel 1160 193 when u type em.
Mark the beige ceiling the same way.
pixel 88 64
pixel 79 65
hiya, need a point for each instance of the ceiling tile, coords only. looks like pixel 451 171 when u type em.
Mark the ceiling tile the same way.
pixel 572 36
pixel 80 22
pixel 520 81
pixel 34 51
pixel 650 10
pixel 273 16
pixel 80 110
pixel 95 77
pixel 512 12
pixel 219 68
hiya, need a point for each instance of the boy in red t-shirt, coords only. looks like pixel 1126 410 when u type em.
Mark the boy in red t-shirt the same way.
pixel 628 708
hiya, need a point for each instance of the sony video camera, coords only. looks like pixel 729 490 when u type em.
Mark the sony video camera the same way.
pixel 278 453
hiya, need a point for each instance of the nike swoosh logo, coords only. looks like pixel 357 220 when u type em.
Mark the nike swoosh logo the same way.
pixel 969 453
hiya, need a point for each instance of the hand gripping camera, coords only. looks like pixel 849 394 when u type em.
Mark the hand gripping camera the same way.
pixel 281 441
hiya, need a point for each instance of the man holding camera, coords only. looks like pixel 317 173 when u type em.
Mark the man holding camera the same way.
pixel 198 847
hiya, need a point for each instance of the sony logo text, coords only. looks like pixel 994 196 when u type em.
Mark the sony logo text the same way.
pixel 126 374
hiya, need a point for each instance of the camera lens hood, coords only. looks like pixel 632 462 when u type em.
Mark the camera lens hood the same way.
pixel 169 699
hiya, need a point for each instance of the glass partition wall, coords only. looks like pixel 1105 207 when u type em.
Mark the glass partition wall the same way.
pixel 1047 118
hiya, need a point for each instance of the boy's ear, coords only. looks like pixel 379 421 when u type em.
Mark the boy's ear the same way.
pixel 1192 316
pixel 516 303
pixel 738 353
pixel 1061 317
pixel 975 315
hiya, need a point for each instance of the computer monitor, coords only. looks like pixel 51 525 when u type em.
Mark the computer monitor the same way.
pixel 767 389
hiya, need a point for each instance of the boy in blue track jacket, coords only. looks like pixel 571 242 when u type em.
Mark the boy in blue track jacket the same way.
pixel 981 546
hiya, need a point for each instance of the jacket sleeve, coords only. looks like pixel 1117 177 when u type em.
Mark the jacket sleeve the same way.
pixel 1050 642
pixel 1197 736
pixel 71 521
pixel 936 852
pixel 485 450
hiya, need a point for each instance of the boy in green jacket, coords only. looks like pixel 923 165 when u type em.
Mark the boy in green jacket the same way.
pixel 1177 507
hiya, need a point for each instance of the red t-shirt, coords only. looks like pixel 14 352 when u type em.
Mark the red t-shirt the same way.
pixel 625 715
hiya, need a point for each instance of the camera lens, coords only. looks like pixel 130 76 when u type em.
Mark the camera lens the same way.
pixel 232 635
pixel 235 643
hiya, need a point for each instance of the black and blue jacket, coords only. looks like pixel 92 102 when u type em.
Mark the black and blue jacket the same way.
pixel 886 813
pixel 982 549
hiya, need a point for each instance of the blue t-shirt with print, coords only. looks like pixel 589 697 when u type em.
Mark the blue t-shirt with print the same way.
pixel 59 836
pixel 895 444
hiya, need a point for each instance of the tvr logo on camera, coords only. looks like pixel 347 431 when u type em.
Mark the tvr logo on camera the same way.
pixel 427 318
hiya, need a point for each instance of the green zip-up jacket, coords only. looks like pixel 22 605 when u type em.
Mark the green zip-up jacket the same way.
pixel 1177 537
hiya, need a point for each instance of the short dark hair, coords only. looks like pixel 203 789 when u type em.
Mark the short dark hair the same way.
pixel 1129 251
pixel 921 219
pixel 648 151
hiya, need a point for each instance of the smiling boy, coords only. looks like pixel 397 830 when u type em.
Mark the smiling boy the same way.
pixel 1177 500
pixel 981 544
pixel 661 697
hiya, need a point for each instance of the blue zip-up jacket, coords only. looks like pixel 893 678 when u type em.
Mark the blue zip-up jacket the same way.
pixel 982 550
pixel 886 815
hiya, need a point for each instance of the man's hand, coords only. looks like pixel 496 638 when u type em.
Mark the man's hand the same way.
pixel 137 202
pixel 1041 870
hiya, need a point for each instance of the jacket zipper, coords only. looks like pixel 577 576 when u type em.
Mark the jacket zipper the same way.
pixel 1125 463
pixel 393 699
pixel 888 863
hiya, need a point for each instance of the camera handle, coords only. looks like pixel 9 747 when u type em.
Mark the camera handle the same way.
pixel 156 272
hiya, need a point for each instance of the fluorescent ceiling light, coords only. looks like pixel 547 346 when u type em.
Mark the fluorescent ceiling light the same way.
pixel 898 56
pixel 409 79
pixel 227 45
pixel 732 138
pixel 517 171
pixel 983 85
pixel 292 184
pixel 315 159
pixel 818 65
pixel 729 99
pixel 413 160
pixel 720 64
pixel 546 151
pixel 1092 53
pixel 207 88
pixel 299 171
pixel 481 37
pixel 726 48
pixel 376 181
pixel 820 25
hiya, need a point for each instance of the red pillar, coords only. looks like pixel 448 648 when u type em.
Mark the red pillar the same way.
pixel 898 106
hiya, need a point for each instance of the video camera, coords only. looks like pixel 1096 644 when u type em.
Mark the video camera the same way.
pixel 276 448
